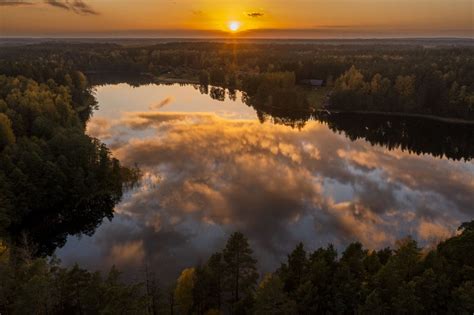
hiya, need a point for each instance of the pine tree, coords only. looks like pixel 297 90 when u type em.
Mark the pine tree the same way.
pixel 292 274
pixel 240 269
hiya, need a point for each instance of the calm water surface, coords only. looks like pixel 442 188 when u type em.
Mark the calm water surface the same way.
pixel 211 167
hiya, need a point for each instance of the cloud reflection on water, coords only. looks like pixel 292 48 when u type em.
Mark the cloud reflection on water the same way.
pixel 207 176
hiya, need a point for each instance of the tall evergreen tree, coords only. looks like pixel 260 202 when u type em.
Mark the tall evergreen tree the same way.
pixel 215 266
pixel 292 273
pixel 240 271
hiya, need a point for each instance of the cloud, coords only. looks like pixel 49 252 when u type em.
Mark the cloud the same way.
pixel 197 12
pixel 355 221
pixel 141 121
pixel 166 101
pixel 255 14
pixel 433 232
pixel 99 128
pixel 235 183
pixel 14 3
pixel 81 7
pixel 58 4
pixel 76 6
pixel 206 176
pixel 128 253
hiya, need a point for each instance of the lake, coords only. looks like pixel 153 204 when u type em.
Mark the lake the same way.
pixel 213 165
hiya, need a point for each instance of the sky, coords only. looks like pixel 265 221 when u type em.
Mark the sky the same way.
pixel 253 18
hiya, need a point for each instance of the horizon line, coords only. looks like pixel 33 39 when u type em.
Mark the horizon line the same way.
pixel 322 32
pixel 414 37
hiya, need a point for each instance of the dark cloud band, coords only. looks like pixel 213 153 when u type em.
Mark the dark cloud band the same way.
pixel 14 3
pixel 76 6
pixel 255 14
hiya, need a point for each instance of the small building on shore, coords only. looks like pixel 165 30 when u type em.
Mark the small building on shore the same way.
pixel 314 83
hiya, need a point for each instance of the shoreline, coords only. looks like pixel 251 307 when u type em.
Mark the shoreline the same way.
pixel 171 80
pixel 450 120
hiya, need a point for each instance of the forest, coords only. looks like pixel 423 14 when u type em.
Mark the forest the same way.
pixel 57 181
pixel 403 280
pixel 405 77
pixel 54 179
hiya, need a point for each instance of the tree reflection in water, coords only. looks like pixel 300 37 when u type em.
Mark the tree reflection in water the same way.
pixel 212 168
pixel 413 134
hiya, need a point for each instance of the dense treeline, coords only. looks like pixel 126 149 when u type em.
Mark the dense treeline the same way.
pixel 54 179
pixel 377 77
pixel 438 137
pixel 426 90
pixel 412 134
pixel 39 286
pixel 403 280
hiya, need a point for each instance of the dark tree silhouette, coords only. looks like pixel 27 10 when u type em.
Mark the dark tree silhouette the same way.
pixel 240 270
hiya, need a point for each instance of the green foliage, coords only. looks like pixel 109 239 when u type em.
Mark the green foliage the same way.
pixel 204 77
pixel 217 76
pixel 270 298
pixel 402 281
pixel 226 283
pixel 240 275
pixel 292 274
pixel 209 285
pixel 39 286
pixel 424 91
pixel 387 76
pixel 412 134
pixel 54 179
pixel 464 298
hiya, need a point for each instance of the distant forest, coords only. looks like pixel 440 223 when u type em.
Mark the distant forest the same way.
pixel 406 78
pixel 57 181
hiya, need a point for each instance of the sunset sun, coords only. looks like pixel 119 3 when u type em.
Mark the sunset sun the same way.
pixel 234 26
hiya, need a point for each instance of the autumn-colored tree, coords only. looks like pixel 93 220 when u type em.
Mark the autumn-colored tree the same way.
pixel 270 298
pixel 7 136
pixel 183 292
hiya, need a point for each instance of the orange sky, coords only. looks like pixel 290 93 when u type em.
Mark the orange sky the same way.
pixel 257 18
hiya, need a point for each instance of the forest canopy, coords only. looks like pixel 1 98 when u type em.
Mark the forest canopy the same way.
pixel 405 279
pixel 54 179
pixel 413 77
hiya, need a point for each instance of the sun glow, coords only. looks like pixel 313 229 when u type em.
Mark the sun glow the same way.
pixel 234 26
